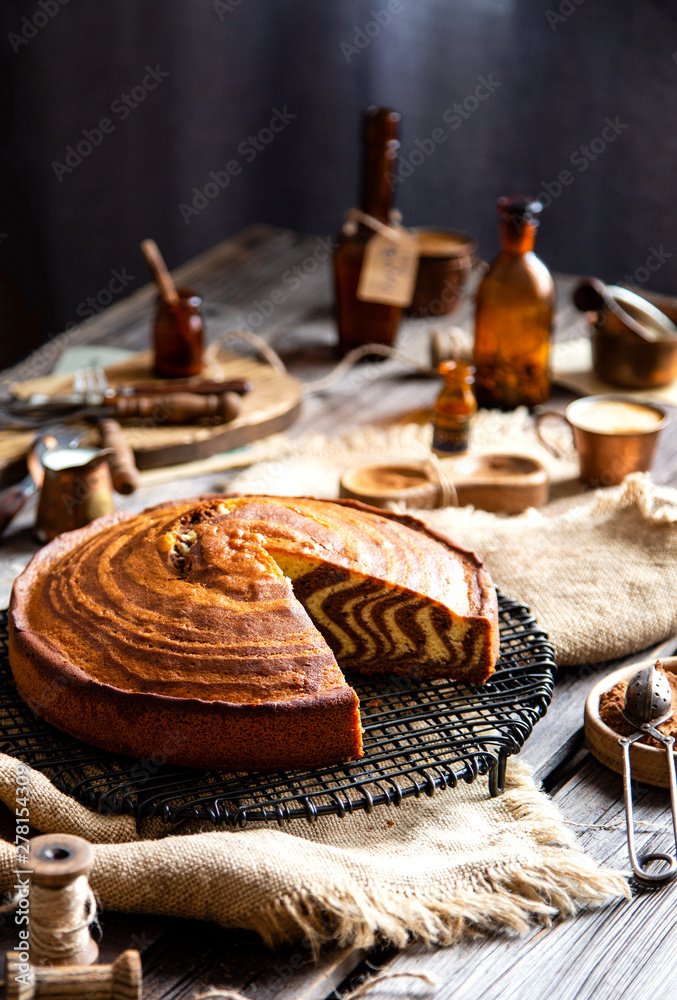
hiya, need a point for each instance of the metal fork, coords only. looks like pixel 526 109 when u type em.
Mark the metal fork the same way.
pixel 92 384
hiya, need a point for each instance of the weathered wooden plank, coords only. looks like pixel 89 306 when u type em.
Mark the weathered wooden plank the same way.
pixel 621 951
pixel 191 957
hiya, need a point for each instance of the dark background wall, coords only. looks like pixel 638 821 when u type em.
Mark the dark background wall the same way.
pixel 555 73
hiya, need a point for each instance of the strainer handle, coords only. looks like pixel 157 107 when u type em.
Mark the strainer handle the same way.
pixel 639 864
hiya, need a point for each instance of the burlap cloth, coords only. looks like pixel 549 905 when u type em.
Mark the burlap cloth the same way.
pixel 599 569
pixel 434 869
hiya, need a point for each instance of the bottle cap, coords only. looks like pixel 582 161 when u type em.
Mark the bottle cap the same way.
pixel 457 369
pixel 520 207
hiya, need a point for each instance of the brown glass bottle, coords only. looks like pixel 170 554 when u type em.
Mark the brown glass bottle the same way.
pixel 514 312
pixel 368 322
pixel 178 336
pixel 454 409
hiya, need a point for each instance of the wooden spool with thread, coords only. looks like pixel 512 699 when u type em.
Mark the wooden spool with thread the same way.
pixel 120 981
pixel 62 905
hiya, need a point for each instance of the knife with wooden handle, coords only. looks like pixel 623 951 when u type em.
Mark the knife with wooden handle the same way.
pixel 169 408
pixel 239 385
pixel 177 407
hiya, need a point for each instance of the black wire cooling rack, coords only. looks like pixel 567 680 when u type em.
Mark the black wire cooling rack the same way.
pixel 419 737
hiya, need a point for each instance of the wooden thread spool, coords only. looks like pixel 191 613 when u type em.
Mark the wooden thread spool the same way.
pixel 120 981
pixel 62 905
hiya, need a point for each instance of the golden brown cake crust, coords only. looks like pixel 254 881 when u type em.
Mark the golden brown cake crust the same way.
pixel 208 658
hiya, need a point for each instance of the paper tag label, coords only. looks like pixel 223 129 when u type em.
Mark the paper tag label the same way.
pixel 389 269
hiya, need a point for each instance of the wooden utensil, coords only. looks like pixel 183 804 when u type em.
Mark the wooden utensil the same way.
pixel 163 278
pixel 166 287
pixel 123 470
pixel 178 407
pixel 202 388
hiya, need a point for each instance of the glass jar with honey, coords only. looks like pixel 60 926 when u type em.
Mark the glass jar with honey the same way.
pixel 178 336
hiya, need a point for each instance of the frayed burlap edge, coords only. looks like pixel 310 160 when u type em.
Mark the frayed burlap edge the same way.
pixel 143 876
pixel 503 899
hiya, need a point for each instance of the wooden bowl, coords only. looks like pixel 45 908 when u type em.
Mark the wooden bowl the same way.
pixel 414 483
pixel 648 763
pixel 445 264
pixel 504 483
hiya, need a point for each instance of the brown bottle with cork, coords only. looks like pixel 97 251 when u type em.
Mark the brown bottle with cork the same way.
pixel 367 322
pixel 514 313
pixel 454 409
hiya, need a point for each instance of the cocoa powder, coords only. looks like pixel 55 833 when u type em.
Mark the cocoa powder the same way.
pixel 611 705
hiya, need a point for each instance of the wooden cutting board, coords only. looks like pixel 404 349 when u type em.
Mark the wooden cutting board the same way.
pixel 273 404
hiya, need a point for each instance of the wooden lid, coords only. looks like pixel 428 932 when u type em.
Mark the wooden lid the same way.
pixel 445 243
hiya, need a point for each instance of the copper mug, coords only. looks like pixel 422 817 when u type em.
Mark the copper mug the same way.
pixel 613 436
pixel 77 489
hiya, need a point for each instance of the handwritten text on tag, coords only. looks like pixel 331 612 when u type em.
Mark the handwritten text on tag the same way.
pixel 389 269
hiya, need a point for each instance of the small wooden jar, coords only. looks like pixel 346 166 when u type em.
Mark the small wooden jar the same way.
pixel 446 262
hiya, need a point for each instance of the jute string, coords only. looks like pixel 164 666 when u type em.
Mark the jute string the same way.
pixel 335 375
pixel 60 920
pixel 356 215
pixel 360 991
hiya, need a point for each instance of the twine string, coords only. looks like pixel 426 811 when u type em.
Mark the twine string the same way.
pixel 335 375
pixel 363 990
pixel 356 215
pixel 448 495
pixel 368 985
pixel 60 920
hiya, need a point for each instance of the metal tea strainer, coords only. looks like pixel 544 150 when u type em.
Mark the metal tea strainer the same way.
pixel 648 701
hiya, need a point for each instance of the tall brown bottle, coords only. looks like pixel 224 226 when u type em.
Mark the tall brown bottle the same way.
pixel 514 312
pixel 368 322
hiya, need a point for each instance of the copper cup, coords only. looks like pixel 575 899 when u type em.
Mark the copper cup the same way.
pixel 613 435
pixel 77 489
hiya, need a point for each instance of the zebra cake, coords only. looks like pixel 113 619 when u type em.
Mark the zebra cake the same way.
pixel 214 632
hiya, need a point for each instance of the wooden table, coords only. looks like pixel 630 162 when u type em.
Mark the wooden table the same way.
pixel 626 950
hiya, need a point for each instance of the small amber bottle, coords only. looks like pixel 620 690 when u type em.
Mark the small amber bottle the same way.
pixel 454 409
pixel 514 313
pixel 178 336
pixel 368 322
